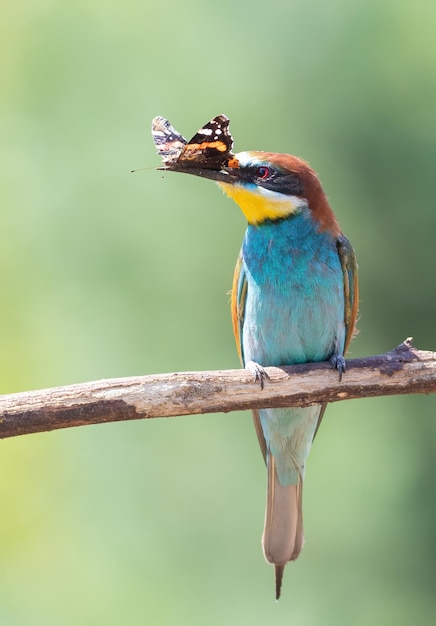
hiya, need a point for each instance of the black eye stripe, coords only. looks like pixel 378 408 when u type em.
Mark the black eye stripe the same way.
pixel 273 179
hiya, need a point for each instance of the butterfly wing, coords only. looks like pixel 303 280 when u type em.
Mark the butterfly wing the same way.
pixel 210 147
pixel 169 143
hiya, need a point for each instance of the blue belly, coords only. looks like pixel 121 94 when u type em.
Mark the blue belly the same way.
pixel 294 313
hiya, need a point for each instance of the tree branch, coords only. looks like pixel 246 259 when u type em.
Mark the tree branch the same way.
pixel 404 370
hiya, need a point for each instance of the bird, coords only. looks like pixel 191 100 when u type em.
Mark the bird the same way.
pixel 294 300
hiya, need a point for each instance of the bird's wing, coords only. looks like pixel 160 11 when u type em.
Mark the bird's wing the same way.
pixel 239 296
pixel 347 258
pixel 348 261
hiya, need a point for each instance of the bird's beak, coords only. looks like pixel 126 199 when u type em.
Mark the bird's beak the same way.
pixel 223 175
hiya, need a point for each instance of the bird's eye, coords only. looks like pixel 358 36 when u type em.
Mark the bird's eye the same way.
pixel 262 172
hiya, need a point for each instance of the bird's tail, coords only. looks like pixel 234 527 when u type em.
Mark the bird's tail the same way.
pixel 283 533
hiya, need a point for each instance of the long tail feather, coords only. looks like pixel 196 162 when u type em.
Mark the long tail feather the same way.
pixel 299 535
pixel 279 577
pixel 283 532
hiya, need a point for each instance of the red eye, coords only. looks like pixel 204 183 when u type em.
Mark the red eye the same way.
pixel 262 172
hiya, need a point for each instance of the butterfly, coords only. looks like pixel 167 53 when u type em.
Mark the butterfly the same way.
pixel 209 148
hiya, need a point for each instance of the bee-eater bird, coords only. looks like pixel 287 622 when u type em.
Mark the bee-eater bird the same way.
pixel 294 300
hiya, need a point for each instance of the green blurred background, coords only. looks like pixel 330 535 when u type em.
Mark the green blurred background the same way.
pixel 105 274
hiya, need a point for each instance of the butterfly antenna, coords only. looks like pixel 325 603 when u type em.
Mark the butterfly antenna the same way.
pixel 141 169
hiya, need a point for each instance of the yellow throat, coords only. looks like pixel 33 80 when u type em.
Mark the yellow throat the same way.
pixel 260 204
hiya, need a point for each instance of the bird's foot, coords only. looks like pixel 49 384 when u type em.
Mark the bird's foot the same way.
pixel 339 364
pixel 259 373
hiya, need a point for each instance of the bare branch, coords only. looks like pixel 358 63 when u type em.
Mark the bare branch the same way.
pixel 404 370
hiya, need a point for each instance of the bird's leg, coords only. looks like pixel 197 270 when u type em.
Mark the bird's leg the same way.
pixel 339 364
pixel 259 373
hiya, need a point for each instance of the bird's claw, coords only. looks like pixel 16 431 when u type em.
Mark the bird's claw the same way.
pixel 259 373
pixel 339 363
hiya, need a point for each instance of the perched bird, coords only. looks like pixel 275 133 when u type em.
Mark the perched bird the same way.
pixel 294 300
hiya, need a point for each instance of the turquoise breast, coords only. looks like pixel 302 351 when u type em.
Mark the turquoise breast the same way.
pixel 294 309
